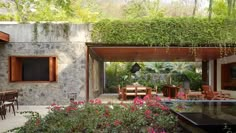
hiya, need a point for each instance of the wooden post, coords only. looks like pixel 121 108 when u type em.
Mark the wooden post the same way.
pixel 87 74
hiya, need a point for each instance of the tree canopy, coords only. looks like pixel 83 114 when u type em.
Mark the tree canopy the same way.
pixel 79 11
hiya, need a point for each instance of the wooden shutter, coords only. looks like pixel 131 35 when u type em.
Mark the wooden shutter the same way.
pixel 52 69
pixel 15 69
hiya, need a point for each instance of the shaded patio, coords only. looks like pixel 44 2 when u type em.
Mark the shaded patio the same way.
pixel 101 53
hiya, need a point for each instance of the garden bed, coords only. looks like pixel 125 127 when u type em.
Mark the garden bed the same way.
pixel 145 115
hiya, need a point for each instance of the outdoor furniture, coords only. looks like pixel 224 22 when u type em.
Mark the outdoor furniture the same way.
pixel 170 91
pixel 130 91
pixel 195 96
pixel 214 95
pixel 135 91
pixel 141 91
pixel 2 107
pixel 154 90
pixel 9 99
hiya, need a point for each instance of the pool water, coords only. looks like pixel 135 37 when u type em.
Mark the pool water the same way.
pixel 217 116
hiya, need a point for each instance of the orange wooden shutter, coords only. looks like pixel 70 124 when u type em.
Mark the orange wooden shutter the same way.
pixel 55 66
pixel 16 69
pixel 52 69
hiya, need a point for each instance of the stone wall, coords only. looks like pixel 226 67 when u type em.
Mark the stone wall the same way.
pixel 66 42
pixel 96 78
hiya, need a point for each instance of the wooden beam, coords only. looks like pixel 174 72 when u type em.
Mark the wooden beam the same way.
pixel 87 74
pixel 4 37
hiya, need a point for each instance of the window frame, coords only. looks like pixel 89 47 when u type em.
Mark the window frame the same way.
pixel 15 69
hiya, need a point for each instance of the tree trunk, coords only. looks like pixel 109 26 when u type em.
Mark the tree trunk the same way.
pixel 195 7
pixel 229 7
pixel 210 9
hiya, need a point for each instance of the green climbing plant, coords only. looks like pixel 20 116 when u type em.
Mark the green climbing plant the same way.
pixel 166 32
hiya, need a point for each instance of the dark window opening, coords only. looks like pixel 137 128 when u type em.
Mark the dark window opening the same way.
pixel 32 69
pixel 35 69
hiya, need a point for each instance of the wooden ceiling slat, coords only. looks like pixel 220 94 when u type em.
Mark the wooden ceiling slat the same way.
pixel 4 37
pixel 159 53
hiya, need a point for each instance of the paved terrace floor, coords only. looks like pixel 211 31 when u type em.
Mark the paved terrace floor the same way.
pixel 12 121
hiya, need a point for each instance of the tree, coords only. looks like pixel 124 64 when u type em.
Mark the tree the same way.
pixel 195 7
pixel 219 8
pixel 142 8
pixel 210 9
pixel 231 7
pixel 51 10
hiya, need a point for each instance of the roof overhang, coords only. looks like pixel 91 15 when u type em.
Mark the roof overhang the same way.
pixel 4 37
pixel 148 53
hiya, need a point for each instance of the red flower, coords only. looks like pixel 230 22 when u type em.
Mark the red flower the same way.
pixel 97 101
pixel 91 101
pixel 147 97
pixel 107 113
pixel 37 122
pixel 151 130
pixel 69 108
pixel 123 104
pixel 53 104
pixel 117 122
pixel 57 107
pixel 158 98
pixel 148 113
pixel 138 101
pixel 133 108
pixel 156 114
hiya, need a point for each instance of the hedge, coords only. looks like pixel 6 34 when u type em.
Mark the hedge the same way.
pixel 166 32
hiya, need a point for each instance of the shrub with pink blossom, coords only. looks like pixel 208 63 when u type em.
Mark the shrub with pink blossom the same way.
pixel 146 115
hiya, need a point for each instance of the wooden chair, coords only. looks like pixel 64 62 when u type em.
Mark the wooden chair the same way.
pixel 2 107
pixel 120 92
pixel 129 91
pixel 154 90
pixel 214 95
pixel 8 100
pixel 141 91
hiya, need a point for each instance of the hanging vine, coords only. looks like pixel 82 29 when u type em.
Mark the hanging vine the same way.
pixel 167 32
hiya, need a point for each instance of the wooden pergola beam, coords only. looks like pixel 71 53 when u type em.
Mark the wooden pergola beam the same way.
pixel 4 37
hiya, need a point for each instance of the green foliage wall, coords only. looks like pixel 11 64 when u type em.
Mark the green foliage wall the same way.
pixel 166 32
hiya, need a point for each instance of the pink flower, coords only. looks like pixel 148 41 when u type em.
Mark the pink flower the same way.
pixel 78 102
pixel 133 108
pixel 53 104
pixel 169 99
pixel 107 113
pixel 97 101
pixel 151 130
pixel 117 122
pixel 156 114
pixel 138 101
pixel 158 98
pixel 148 113
pixel 123 104
pixel 147 97
pixel 37 122
pixel 91 101
pixel 57 107
pixel 69 109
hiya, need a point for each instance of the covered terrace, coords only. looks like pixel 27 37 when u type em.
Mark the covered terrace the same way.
pixel 98 53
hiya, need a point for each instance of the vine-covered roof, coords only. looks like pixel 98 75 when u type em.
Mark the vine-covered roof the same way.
pixel 193 32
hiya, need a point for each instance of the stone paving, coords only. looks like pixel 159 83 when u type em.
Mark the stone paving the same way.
pixel 12 121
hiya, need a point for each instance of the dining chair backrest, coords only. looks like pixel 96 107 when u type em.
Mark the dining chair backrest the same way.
pixel 1 98
pixel 11 96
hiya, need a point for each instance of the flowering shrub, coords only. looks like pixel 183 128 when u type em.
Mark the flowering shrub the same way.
pixel 146 115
